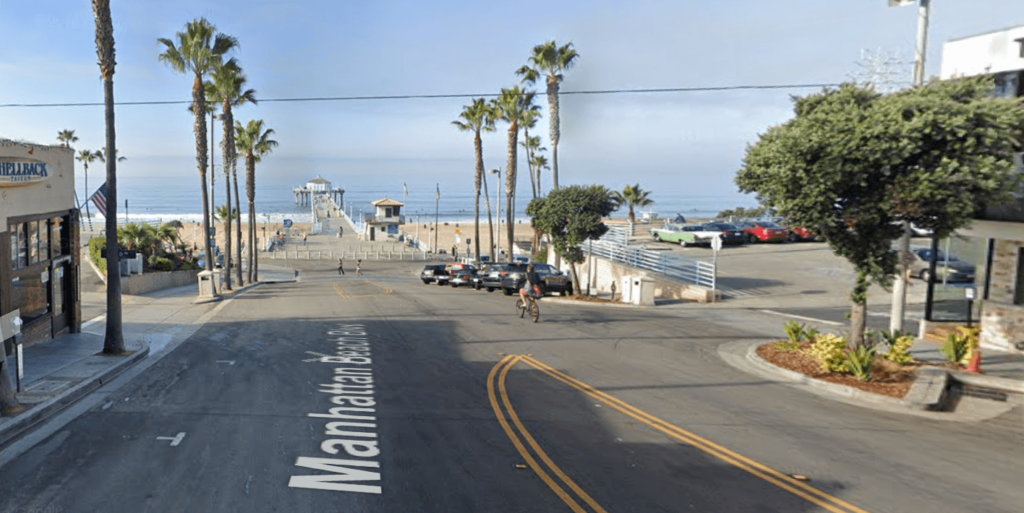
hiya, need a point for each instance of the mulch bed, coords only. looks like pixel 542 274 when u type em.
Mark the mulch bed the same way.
pixel 887 378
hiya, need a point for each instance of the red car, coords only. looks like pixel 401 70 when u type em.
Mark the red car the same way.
pixel 763 231
pixel 799 233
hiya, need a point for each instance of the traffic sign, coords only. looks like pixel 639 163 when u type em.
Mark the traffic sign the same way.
pixel 287 223
pixel 121 253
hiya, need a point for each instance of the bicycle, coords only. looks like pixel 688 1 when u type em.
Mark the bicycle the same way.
pixel 521 307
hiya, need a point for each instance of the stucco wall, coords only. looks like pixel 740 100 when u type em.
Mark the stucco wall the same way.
pixel 142 283
pixel 607 272
pixel 54 194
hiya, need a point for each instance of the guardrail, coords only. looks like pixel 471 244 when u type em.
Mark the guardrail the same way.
pixel 615 246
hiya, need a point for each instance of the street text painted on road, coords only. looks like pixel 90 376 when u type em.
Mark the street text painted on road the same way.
pixel 352 391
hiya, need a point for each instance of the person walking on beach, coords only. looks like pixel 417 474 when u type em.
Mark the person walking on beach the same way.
pixel 341 231
pixel 303 239
pixel 341 267
pixel 359 267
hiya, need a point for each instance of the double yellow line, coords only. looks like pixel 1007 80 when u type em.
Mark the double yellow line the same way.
pixel 342 293
pixel 788 483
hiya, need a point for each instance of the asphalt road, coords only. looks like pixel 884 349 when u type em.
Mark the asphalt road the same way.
pixel 452 403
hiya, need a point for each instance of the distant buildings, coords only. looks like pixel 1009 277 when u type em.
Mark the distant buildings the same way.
pixel 1001 280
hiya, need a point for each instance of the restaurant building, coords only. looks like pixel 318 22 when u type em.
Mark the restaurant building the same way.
pixel 39 264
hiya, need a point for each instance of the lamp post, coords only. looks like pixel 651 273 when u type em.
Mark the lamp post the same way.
pixel 437 203
pixel 497 196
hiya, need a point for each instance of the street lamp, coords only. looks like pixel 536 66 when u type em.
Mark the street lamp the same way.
pixel 497 196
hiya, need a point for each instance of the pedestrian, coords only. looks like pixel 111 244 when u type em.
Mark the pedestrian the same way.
pixel 359 267
pixel 455 253
pixel 341 267
pixel 303 239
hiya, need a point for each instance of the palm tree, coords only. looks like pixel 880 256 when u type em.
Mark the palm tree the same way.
pixel 87 157
pixel 477 117
pixel 532 146
pixel 551 59
pixel 633 195
pixel 255 142
pixel 66 137
pixel 512 106
pixel 227 87
pixel 199 50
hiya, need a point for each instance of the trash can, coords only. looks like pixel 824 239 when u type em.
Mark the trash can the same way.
pixel 207 284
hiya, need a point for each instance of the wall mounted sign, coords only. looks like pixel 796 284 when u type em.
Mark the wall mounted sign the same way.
pixel 16 171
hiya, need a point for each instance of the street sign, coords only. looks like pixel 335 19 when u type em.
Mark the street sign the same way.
pixel 716 243
pixel 287 223
pixel 121 253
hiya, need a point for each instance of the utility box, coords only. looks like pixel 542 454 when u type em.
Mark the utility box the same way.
pixel 626 289
pixel 208 283
pixel 644 294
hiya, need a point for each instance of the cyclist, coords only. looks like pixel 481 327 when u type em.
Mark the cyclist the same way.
pixel 533 287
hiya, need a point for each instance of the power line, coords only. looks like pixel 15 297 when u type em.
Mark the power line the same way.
pixel 435 96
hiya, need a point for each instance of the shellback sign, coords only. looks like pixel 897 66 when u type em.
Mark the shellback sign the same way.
pixel 22 172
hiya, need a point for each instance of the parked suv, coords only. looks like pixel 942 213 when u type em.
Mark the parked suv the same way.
pixel 434 273
pixel 490 276
pixel 514 276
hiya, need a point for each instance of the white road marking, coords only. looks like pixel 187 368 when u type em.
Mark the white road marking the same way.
pixel 229 362
pixel 812 319
pixel 175 440
pixel 94 320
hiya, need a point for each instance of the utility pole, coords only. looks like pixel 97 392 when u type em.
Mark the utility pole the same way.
pixel 899 290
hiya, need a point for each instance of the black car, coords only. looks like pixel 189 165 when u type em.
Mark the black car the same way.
pixel 490 276
pixel 731 234
pixel 554 281
pixel 434 273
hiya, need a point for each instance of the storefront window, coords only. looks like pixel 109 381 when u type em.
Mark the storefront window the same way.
pixel 14 246
pixel 59 239
pixel 29 292
pixel 44 240
pixel 19 246
pixel 33 242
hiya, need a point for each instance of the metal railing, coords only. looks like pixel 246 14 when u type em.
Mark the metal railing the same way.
pixel 615 246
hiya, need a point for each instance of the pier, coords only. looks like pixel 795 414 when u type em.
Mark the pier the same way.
pixel 317 186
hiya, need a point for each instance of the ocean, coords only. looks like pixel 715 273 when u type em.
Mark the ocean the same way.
pixel 164 198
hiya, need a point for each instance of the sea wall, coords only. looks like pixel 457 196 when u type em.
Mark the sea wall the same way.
pixel 137 284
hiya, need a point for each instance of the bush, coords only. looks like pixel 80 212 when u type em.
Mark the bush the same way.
pixel 830 350
pixel 858 362
pixel 788 346
pixel 161 264
pixel 898 350
pixel 795 331
pixel 960 346
pixel 96 246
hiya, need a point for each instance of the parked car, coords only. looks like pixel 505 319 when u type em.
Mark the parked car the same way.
pixel 800 234
pixel 490 275
pixel 957 270
pixel 729 233
pixel 763 231
pixel 434 273
pixel 684 234
pixel 514 276
pixel 467 275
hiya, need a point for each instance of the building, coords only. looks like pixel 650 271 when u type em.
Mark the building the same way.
pixel 39 238
pixel 317 187
pixel 1000 284
pixel 387 219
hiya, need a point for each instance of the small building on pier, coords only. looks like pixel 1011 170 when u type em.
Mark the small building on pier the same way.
pixel 387 219
pixel 319 187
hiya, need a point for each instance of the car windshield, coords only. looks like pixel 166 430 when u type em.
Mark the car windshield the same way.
pixel 769 224
pixel 926 255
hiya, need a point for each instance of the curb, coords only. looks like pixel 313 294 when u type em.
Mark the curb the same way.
pixel 566 301
pixel 14 427
pixel 926 396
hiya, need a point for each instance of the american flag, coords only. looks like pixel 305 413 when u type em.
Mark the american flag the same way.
pixel 99 198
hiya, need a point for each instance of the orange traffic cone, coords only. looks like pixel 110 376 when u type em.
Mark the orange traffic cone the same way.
pixel 975 364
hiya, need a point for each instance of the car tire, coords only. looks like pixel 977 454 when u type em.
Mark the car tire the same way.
pixel 568 290
pixel 752 239
pixel 793 237
pixel 490 289
pixel 683 243
pixel 507 292
pixel 455 285
pixel 426 282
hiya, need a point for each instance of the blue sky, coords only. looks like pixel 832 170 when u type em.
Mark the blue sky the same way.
pixel 692 141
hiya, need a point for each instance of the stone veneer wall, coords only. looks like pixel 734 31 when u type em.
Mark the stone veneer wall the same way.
pixel 1002 321
pixel 148 282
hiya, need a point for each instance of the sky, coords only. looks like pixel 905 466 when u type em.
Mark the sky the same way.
pixel 679 141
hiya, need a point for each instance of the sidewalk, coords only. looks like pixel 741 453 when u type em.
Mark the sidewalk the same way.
pixel 61 371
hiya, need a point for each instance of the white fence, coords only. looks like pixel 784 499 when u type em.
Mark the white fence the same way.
pixel 349 254
pixel 615 246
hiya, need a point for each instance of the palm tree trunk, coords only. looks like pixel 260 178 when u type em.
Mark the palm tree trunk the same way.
pixel 553 104
pixel 113 339
pixel 227 189
pixel 250 190
pixel 199 106
pixel 238 228
pixel 510 184
pixel 479 147
pixel 529 161
pixel 490 221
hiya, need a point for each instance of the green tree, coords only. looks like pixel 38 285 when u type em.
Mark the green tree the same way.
pixel 227 87
pixel 554 60
pixel 531 145
pixel 633 196
pixel 572 215
pixel 66 137
pixel 87 157
pixel 254 142
pixel 199 50
pixel 478 117
pixel 512 106
pixel 852 162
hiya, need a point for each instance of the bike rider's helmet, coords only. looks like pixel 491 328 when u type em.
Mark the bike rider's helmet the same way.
pixel 529 268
